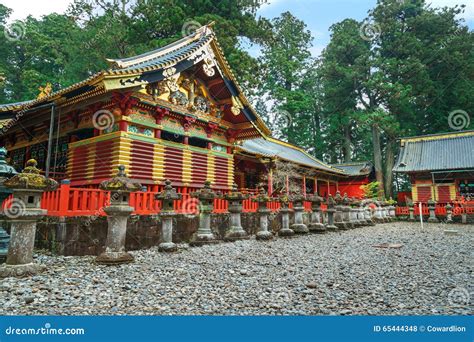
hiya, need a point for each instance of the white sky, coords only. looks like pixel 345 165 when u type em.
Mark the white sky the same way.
pixel 37 8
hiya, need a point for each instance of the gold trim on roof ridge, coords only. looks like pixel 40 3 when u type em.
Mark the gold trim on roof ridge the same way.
pixel 439 136
pixel 161 51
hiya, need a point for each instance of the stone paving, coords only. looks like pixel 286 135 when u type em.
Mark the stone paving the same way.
pixel 339 273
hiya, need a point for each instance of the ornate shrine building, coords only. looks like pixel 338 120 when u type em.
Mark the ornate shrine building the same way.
pixel 174 113
pixel 440 166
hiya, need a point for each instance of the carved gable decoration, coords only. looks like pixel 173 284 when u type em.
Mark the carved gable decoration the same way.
pixel 183 89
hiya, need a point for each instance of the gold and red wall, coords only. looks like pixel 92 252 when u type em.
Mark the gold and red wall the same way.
pixel 149 160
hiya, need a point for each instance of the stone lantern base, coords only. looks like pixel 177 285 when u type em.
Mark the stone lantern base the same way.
pixel 317 227
pixel 286 232
pixel 114 258
pixel 24 270
pixel 203 239
pixel 235 235
pixel 115 252
pixel 167 230
pixel 264 235
pixel 167 247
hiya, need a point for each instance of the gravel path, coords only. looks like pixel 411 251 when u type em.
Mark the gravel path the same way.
pixel 335 273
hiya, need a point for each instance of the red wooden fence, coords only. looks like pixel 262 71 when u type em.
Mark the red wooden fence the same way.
pixel 440 209
pixel 67 201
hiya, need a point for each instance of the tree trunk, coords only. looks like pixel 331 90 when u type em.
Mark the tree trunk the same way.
pixel 389 161
pixel 347 150
pixel 377 156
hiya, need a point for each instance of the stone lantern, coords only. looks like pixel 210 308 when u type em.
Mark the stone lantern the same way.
pixel 167 198
pixel 346 211
pixel 352 213
pixel 206 197
pixel 235 198
pixel 367 210
pixel 378 212
pixel 449 213
pixel 23 213
pixel 298 226
pixel 285 211
pixel 262 199
pixel 331 210
pixel 411 210
pixel 356 212
pixel 118 212
pixel 432 208
pixel 316 226
pixel 6 172
pixel 339 221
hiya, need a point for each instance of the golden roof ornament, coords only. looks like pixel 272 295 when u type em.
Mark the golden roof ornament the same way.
pixel 45 91
pixel 30 178
pixel 236 106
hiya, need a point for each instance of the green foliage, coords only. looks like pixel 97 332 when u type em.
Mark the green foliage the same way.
pixel 65 49
pixel 371 190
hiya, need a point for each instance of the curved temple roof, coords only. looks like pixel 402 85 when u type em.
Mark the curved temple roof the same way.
pixel 438 152
pixel 273 148
pixel 355 168
pixel 150 67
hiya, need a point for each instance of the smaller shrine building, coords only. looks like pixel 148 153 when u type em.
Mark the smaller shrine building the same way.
pixel 440 166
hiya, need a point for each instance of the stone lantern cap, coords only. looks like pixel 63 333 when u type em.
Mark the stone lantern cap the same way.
pixel 298 197
pixel 346 200
pixel 6 171
pixel 356 202
pixel 168 193
pixel 284 200
pixel 338 198
pixel 431 202
pixel 315 199
pixel 31 179
pixel 120 183
pixel 206 193
pixel 262 196
pixel 235 195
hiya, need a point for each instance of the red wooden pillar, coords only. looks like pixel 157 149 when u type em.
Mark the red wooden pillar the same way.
pixel 329 188
pixel 158 133
pixel 123 126
pixel 64 197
